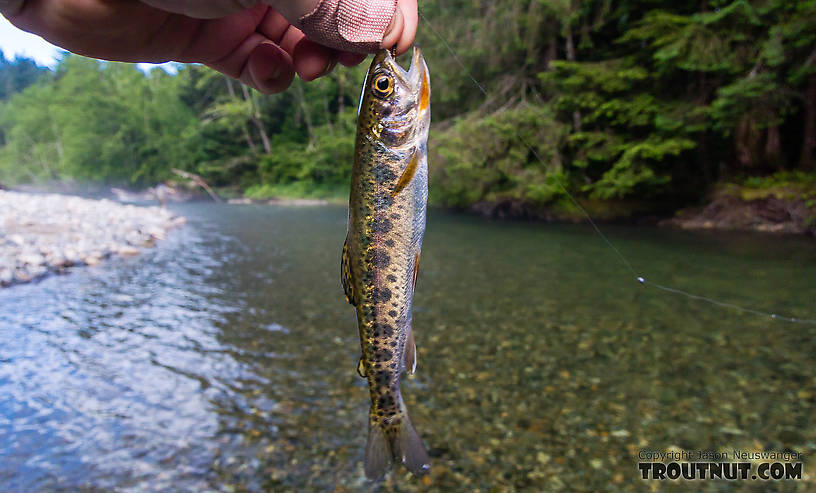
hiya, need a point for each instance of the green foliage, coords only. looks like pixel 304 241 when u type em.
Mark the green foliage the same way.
pixel 649 101
pixel 326 160
pixel 782 179
pixel 485 159
pixel 17 74
pixel 94 121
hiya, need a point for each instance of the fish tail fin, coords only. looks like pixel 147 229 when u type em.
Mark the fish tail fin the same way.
pixel 378 455
pixel 397 442
pixel 408 447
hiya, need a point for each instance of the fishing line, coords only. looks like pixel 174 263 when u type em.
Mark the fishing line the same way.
pixel 626 263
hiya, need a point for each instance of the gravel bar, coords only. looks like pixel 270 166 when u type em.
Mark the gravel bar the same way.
pixel 48 233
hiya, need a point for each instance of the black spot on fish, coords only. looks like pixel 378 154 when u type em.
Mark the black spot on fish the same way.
pixel 381 259
pixel 385 200
pixel 382 294
pixel 392 313
pixel 382 225
pixel 381 377
pixel 387 330
pixel 384 173
pixel 383 355
pixel 395 216
pixel 391 277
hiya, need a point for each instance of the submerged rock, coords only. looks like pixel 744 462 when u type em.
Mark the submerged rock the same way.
pixel 47 233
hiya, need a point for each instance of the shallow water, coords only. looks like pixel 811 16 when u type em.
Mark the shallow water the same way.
pixel 224 359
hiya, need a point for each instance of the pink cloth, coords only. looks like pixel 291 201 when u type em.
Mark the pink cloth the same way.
pixel 349 25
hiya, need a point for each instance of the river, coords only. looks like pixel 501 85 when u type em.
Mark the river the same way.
pixel 224 359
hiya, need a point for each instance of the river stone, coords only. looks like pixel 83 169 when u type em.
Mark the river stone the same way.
pixel 48 232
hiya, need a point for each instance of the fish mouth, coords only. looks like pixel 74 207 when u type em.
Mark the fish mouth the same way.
pixel 416 77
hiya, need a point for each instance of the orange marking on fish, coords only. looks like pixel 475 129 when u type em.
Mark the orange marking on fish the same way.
pixel 425 93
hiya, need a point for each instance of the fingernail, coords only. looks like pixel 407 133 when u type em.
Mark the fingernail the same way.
pixel 275 70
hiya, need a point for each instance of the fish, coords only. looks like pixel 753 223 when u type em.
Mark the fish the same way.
pixel 380 259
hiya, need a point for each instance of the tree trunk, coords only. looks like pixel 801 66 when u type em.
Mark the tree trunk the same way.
pixel 255 118
pixel 247 135
pixel 743 142
pixel 552 45
pixel 307 118
pixel 576 115
pixel 532 28
pixel 328 113
pixel 773 147
pixel 807 160
pixel 340 96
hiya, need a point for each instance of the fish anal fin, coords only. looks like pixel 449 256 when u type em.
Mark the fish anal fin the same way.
pixel 407 174
pixel 410 354
pixel 345 275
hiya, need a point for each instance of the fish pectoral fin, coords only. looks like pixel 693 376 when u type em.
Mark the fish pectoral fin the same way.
pixel 407 174
pixel 345 275
pixel 361 368
pixel 410 356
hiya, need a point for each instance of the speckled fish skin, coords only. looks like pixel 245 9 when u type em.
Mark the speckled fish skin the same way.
pixel 389 192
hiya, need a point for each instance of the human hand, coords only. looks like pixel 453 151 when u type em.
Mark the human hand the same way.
pixel 254 44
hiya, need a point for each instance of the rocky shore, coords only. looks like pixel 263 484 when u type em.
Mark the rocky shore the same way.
pixel 739 209
pixel 47 233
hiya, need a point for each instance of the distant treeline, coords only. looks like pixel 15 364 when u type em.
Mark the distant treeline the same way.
pixel 650 101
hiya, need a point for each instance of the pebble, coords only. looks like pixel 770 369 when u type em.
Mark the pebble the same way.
pixel 42 233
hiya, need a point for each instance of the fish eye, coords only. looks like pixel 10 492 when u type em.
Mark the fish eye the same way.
pixel 383 86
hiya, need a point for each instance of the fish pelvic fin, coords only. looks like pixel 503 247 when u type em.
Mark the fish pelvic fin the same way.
pixel 410 356
pixel 394 442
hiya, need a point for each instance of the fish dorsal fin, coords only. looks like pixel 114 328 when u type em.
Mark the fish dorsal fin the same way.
pixel 345 275
pixel 407 174
pixel 410 355
pixel 361 368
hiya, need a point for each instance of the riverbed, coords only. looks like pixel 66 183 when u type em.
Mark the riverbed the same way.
pixel 224 359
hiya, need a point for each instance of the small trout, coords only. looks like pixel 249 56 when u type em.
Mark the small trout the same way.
pixel 389 193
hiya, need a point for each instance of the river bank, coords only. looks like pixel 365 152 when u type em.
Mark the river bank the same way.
pixel 777 204
pixel 784 209
pixel 49 233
